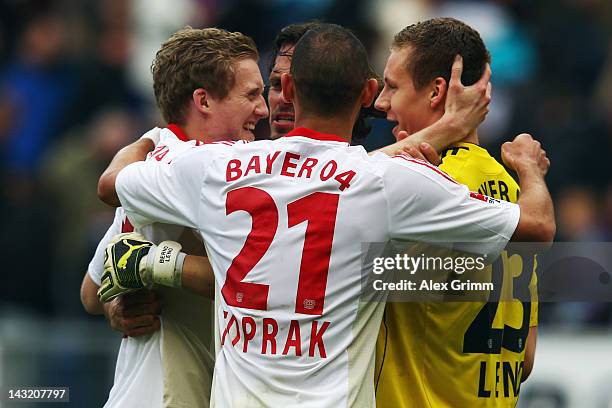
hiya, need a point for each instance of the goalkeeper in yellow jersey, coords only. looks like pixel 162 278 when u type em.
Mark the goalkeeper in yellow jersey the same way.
pixel 451 354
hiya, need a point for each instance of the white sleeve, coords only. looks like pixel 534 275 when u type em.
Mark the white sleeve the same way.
pixel 427 205
pixel 96 265
pixel 154 191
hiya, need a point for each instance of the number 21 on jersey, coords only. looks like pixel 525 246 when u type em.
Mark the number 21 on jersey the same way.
pixel 318 210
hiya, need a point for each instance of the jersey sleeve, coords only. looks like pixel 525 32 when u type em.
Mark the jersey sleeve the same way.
pixel 427 205
pixel 167 192
pixel 96 265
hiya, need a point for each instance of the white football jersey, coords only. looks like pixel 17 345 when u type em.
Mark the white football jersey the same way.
pixel 171 367
pixel 138 378
pixel 284 222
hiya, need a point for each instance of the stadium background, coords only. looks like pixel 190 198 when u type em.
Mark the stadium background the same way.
pixel 75 86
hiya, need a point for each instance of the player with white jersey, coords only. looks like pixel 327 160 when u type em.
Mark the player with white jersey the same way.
pixel 145 374
pixel 142 370
pixel 173 367
pixel 283 223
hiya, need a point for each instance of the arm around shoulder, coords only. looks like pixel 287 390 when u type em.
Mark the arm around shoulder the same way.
pixel 134 152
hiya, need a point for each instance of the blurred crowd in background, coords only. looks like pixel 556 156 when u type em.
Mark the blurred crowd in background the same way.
pixel 75 86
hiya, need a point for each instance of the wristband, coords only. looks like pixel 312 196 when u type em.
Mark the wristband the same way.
pixel 162 266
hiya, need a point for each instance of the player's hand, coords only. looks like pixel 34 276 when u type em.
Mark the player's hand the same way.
pixel 134 314
pixel 467 106
pixel 525 156
pixel 423 151
pixel 122 266
pixel 131 262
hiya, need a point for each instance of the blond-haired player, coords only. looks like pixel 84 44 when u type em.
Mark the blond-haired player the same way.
pixel 209 89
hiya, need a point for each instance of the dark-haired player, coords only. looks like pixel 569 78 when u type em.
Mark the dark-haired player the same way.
pixel 282 116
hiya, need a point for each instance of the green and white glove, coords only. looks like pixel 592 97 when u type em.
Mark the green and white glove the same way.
pixel 132 262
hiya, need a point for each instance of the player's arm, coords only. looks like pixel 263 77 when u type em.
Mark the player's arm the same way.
pixel 197 273
pixel 197 276
pixel 89 296
pixel 537 221
pixel 447 211
pixel 133 263
pixel 134 314
pixel 93 276
pixel 166 191
pixel 530 350
pixel 465 108
pixel 131 153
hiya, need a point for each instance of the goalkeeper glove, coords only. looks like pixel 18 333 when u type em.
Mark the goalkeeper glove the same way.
pixel 131 262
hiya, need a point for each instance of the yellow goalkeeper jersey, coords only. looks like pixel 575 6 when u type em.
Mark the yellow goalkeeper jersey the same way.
pixel 459 354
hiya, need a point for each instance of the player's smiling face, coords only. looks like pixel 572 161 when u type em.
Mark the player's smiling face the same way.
pixel 399 98
pixel 235 115
pixel 282 116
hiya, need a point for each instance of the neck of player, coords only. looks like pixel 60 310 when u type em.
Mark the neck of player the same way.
pixel 192 130
pixel 472 137
pixel 334 126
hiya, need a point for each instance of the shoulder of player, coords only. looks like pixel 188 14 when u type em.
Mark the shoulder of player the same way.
pixel 455 163
pixel 374 162
pixel 471 161
pixel 330 150
pixel 390 166
pixel 491 168
pixel 462 155
pixel 477 169
pixel 170 150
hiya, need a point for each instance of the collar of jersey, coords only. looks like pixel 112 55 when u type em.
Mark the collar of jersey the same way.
pixel 174 128
pixel 312 134
pixel 473 146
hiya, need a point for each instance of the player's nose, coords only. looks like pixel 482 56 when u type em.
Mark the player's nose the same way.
pixel 261 109
pixel 382 102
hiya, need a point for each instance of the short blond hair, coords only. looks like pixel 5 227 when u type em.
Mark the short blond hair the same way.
pixel 197 58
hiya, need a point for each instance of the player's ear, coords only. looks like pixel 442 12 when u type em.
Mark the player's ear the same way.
pixel 201 100
pixel 370 92
pixel 437 95
pixel 288 90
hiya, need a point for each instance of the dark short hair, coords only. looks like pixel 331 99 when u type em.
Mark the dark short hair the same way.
pixel 290 34
pixel 197 58
pixel 435 43
pixel 329 68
